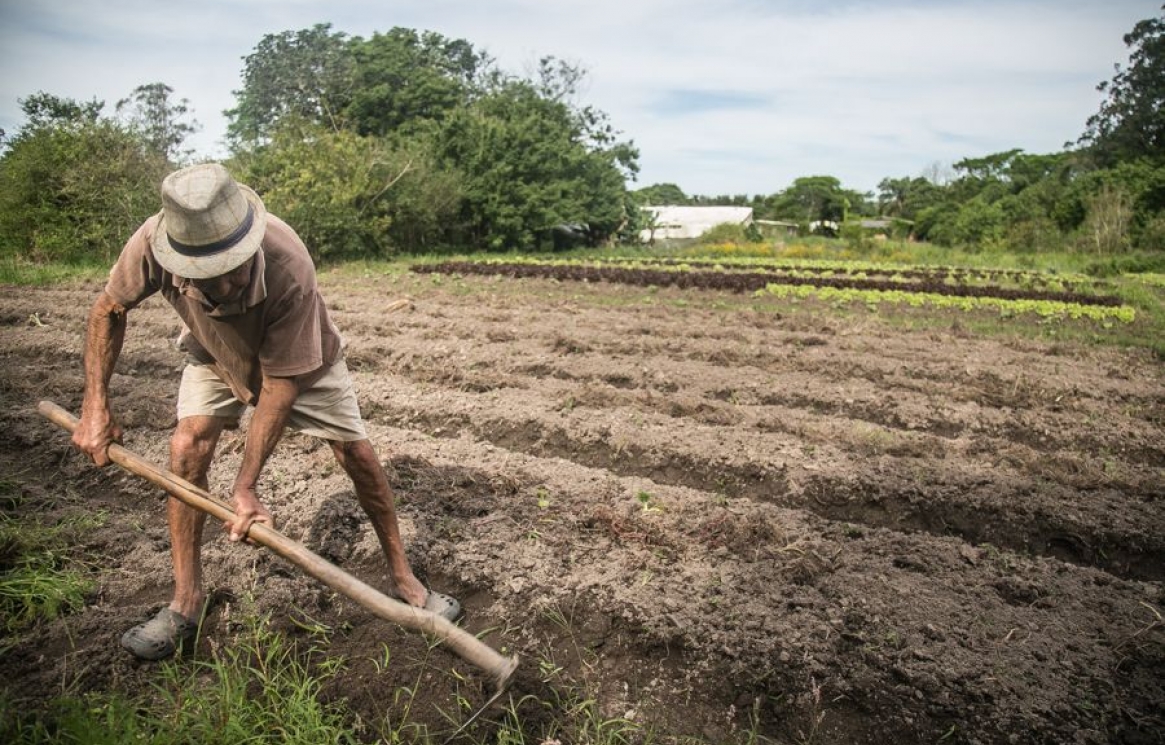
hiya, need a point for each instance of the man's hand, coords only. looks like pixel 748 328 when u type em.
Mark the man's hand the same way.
pixel 248 510
pixel 96 430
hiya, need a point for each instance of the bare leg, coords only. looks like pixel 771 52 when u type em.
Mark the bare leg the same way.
pixel 375 495
pixel 191 452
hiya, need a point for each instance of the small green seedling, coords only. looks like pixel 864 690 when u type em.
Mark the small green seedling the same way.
pixel 647 502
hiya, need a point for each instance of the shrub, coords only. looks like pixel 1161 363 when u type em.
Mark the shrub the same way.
pixel 350 196
pixel 76 193
pixel 728 232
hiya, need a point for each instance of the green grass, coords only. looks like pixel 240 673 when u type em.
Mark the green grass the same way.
pixel 41 576
pixel 579 721
pixel 259 689
pixel 366 268
pixel 15 271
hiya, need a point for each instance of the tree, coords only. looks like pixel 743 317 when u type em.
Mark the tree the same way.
pixel 662 194
pixel 46 110
pixel 1131 120
pixel 528 159
pixel 150 111
pixel 558 80
pixel 603 202
pixel 973 223
pixel 1027 169
pixel 985 177
pixel 294 77
pixel 906 197
pixel 527 168
pixel 892 196
pixel 993 167
pixel 404 77
pixel 814 198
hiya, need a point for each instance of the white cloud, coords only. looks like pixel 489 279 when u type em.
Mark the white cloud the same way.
pixel 739 96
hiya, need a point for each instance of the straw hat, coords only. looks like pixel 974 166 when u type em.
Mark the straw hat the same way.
pixel 209 225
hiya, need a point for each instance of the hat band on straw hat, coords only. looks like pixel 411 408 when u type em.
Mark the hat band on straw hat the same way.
pixel 222 244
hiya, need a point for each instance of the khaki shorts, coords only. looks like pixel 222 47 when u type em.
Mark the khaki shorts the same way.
pixel 327 409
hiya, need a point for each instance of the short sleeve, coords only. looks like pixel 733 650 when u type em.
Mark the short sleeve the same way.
pixel 136 275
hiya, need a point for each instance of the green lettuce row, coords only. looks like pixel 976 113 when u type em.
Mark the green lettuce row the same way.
pixel 837 268
pixel 1050 309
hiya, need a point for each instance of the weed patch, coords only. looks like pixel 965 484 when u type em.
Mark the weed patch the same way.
pixel 40 575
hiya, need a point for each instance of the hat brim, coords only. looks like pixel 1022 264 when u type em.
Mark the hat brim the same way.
pixel 216 264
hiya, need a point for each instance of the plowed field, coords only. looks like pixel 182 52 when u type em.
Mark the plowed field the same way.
pixel 707 512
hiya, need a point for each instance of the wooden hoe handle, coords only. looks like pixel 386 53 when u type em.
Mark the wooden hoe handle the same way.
pixel 469 647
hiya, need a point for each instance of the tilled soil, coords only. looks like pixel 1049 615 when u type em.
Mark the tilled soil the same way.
pixel 706 512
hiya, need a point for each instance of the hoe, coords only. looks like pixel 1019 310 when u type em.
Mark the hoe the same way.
pixel 499 669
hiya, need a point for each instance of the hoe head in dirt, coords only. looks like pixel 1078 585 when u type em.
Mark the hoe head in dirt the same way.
pixel 500 669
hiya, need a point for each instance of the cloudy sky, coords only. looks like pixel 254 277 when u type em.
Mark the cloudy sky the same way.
pixel 720 96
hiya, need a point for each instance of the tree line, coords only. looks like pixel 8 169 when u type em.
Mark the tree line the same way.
pixel 409 142
pixel 405 141
pixel 1104 193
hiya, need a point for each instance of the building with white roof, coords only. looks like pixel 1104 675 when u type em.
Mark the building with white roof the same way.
pixel 680 222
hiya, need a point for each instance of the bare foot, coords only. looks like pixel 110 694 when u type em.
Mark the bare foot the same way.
pixel 410 590
pixel 190 607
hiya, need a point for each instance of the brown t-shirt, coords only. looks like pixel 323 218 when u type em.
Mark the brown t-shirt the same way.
pixel 280 327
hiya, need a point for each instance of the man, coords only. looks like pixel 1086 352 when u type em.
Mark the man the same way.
pixel 257 334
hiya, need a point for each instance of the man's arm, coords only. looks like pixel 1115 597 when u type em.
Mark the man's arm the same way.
pixel 104 335
pixel 267 423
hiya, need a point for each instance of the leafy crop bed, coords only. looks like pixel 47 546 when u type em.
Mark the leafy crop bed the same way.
pixel 751 281
pixel 867 269
pixel 708 514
